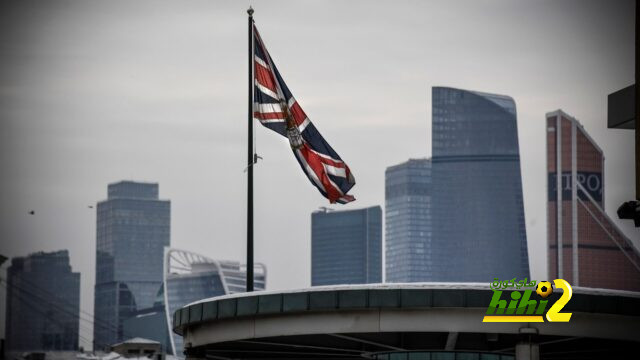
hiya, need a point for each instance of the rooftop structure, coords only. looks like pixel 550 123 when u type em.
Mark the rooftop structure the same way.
pixel 389 321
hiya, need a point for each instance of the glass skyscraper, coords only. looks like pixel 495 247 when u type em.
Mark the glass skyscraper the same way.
pixel 133 227
pixel 477 213
pixel 346 246
pixel 43 303
pixel 408 221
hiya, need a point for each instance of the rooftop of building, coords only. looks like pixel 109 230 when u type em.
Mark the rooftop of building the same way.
pixel 365 320
pixel 326 210
pixel 129 189
pixel 503 101
pixel 412 162
pixel 137 340
pixel 579 126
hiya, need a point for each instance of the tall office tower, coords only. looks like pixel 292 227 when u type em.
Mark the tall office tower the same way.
pixel 595 252
pixel 477 214
pixel 346 246
pixel 408 221
pixel 133 229
pixel 188 277
pixel 43 303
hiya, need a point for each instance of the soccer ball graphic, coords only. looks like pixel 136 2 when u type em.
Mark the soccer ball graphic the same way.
pixel 544 289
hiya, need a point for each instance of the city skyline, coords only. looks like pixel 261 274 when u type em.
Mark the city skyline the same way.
pixel 97 92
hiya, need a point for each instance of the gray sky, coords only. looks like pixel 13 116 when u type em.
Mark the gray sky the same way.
pixel 95 92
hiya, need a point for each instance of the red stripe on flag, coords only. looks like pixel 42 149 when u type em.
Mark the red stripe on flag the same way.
pixel 315 162
pixel 298 114
pixel 265 77
pixel 268 116
pixel 338 164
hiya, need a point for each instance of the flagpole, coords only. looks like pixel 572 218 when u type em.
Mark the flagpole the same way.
pixel 250 161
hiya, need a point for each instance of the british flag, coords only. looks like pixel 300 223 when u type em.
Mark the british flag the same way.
pixel 276 108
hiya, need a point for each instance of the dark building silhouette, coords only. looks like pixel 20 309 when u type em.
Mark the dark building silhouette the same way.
pixel 43 303
pixel 595 252
pixel 133 227
pixel 408 221
pixel 477 208
pixel 346 246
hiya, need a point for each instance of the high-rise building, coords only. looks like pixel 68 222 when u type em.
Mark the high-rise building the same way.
pixel 595 252
pixel 43 303
pixel 133 227
pixel 188 277
pixel 346 246
pixel 408 221
pixel 477 208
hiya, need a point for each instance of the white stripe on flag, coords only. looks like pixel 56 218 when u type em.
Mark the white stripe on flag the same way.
pixel 269 120
pixel 335 186
pixel 335 171
pixel 267 107
pixel 261 62
pixel 326 156
pixel 304 125
pixel 266 90
pixel 309 170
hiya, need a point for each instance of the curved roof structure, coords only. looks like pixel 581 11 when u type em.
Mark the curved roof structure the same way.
pixel 189 276
pixel 374 321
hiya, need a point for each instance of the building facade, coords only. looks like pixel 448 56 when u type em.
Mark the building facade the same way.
pixel 133 227
pixel 346 246
pixel 477 214
pixel 188 277
pixel 408 222
pixel 149 324
pixel 594 251
pixel 43 303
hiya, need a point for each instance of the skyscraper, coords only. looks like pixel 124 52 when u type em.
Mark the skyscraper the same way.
pixel 477 213
pixel 43 303
pixel 346 246
pixel 408 221
pixel 188 277
pixel 595 252
pixel 133 227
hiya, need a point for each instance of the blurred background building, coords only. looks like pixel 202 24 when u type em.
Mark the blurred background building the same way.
pixel 133 227
pixel 477 207
pixel 594 251
pixel 43 303
pixel 188 277
pixel 346 246
pixel 408 221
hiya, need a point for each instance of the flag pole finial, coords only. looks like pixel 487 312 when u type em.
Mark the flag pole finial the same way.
pixel 250 11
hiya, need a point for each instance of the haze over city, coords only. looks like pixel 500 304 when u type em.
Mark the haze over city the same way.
pixel 96 92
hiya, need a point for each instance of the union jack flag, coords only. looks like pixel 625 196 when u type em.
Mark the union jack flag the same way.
pixel 276 108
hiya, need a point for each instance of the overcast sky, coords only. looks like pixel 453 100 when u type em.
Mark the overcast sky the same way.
pixel 95 92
